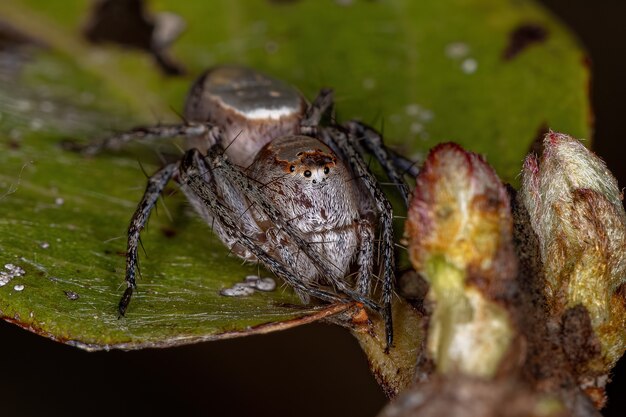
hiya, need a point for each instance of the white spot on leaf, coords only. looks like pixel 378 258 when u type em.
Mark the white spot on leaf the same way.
pixel 469 65
pixel 251 284
pixel 369 83
pixel 457 50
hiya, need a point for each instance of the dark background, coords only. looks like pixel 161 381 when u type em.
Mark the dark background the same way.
pixel 309 371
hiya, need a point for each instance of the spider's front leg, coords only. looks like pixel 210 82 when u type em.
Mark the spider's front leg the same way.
pixel 394 165
pixel 340 140
pixel 143 133
pixel 365 256
pixel 373 143
pixel 322 104
pixel 154 189
pixel 346 144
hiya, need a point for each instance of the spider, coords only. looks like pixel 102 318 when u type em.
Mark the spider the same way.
pixel 278 187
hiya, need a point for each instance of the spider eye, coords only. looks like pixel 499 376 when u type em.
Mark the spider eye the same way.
pixel 326 170
pixel 307 173
pixel 292 168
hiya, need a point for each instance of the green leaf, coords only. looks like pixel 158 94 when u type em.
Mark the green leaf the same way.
pixel 427 71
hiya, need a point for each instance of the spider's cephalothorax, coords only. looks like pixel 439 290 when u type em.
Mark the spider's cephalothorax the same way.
pixel 278 187
pixel 315 191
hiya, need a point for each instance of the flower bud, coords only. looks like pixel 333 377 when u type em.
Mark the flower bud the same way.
pixel 459 233
pixel 575 209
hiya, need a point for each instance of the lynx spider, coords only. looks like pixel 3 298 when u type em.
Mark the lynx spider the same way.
pixel 277 186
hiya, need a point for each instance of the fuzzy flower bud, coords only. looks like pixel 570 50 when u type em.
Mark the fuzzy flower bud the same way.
pixel 575 209
pixel 459 233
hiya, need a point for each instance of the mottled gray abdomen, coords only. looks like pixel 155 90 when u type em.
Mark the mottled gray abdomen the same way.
pixel 251 108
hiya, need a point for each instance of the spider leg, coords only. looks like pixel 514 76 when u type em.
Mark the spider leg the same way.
pixel 365 257
pixel 320 106
pixel 405 165
pixel 154 189
pixel 394 165
pixel 190 175
pixel 143 133
pixel 340 140
pixel 373 143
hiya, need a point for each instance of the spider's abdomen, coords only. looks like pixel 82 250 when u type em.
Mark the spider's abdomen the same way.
pixel 250 107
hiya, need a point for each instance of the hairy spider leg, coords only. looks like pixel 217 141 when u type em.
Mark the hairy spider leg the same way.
pixel 142 133
pixel 365 257
pixel 346 144
pixel 190 174
pixel 373 143
pixel 154 189
pixel 405 165
pixel 341 141
pixel 394 165
pixel 321 105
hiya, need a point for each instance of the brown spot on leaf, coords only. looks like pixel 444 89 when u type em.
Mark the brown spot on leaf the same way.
pixel 128 23
pixel 11 37
pixel 132 27
pixel 522 37
pixel 168 231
